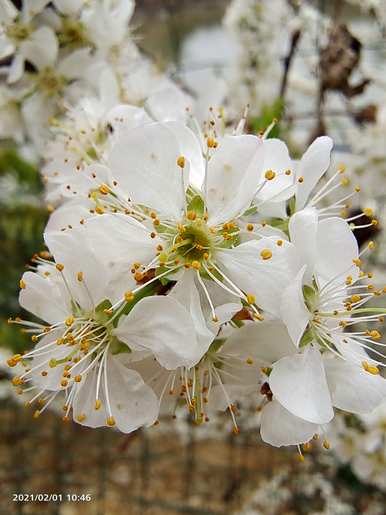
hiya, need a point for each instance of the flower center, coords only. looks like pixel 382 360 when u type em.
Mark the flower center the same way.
pixel 50 83
pixel 18 31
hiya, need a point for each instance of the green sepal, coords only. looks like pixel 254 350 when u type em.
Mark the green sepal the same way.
pixel 197 205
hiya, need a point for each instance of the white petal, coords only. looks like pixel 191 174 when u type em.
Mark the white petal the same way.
pixel 71 249
pixel 190 148
pixel 68 7
pixel 352 388
pixel 16 69
pixel 44 298
pixel 266 279
pixel 312 166
pixel 277 159
pixel 233 176
pixel 186 293
pixel 41 49
pixel 265 342
pixel 144 162
pixel 164 327
pixel 119 239
pixel 124 117
pixel 336 249
pixel 133 404
pixel 75 65
pixel 169 104
pixel 294 312
pixel 279 427
pixel 299 383
pixel 70 213
pixel 303 227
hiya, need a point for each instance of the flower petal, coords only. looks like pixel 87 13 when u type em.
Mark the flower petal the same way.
pixel 44 298
pixel 303 227
pixel 265 342
pixel 312 166
pixel 233 177
pixel 299 383
pixel 279 427
pixel 164 327
pixel 294 312
pixel 133 403
pixel 336 249
pixel 144 162
pixel 264 278
pixel 352 388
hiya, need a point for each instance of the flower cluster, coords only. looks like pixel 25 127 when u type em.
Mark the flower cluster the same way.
pixel 201 270
pixel 191 267
pixel 57 52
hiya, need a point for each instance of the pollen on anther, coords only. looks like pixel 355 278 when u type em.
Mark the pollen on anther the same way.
pixel 266 254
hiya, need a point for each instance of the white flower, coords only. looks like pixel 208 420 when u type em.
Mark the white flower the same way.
pixel 22 39
pixel 172 228
pixel 79 350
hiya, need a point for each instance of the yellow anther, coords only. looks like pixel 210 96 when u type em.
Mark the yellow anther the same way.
pixel 300 179
pixel 326 444
pixel 36 414
pixel 59 267
pixel 355 298
pixel 307 446
pixel 138 276
pixel 251 299
pixel 374 222
pixel 370 286
pixel 98 404
pixel 104 189
pixel 357 189
pixel 69 321
pixel 376 335
pixel 300 457
pixel 181 161
pixel 288 172
pixel 348 280
pixel 110 421
pixel 266 254
pixel 211 142
pixel 368 212
pixel 64 383
pixel 357 262
pixel 279 243
pixel 341 168
pixel 371 245
pixel 269 175
pixel 249 227
pixel 214 318
pixel 22 284
pixel 345 181
pixel 191 215
pixel 99 210
pixel 78 378
pixel 249 361
pixel 79 276
pixel 81 418
pixel 129 296
pixel 196 265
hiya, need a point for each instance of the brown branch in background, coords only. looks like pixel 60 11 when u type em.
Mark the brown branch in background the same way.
pixel 288 61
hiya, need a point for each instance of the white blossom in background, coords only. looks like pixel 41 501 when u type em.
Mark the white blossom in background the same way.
pixel 360 442
pixel 368 148
pixel 257 26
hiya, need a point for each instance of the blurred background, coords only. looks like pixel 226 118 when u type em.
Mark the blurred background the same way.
pixel 318 68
